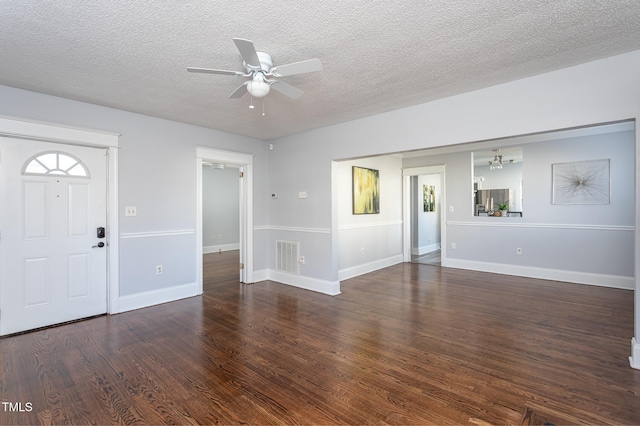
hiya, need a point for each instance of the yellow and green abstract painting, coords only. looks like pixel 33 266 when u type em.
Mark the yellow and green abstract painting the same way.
pixel 366 191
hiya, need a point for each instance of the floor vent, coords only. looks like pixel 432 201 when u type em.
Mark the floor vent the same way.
pixel 287 257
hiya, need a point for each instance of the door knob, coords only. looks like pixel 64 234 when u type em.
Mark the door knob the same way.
pixel 100 244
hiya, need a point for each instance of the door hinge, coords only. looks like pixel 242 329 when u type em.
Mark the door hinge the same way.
pixel 242 266
pixel 241 174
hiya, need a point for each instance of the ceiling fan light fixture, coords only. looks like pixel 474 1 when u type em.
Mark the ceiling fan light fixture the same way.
pixel 258 67
pixel 258 88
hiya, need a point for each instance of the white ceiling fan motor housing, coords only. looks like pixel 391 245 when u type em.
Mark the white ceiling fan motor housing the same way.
pixel 266 63
pixel 258 86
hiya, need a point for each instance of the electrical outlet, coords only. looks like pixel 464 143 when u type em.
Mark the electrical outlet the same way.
pixel 453 246
pixel 158 269
pixel 362 250
pixel 219 236
pixel 519 251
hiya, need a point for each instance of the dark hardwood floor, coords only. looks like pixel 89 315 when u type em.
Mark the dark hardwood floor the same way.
pixel 410 344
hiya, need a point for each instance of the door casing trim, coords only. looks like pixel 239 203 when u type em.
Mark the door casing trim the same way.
pixel 21 128
pixel 245 162
pixel 406 208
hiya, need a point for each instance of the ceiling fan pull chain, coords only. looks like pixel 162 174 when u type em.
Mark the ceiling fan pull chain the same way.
pixel 263 107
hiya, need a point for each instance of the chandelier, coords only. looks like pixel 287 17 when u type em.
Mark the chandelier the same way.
pixel 496 164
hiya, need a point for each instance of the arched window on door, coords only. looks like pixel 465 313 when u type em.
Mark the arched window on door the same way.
pixel 55 163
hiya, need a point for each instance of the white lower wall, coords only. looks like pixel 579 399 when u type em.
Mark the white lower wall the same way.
pixel 142 252
pixel 315 246
pixel 577 249
pixel 368 243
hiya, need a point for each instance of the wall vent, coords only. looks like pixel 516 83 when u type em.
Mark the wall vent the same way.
pixel 287 257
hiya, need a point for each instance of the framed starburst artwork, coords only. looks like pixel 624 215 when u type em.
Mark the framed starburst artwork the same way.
pixel 581 182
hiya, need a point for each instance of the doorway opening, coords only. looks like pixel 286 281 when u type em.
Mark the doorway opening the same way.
pixel 220 220
pixel 426 219
pixel 242 164
pixel 424 215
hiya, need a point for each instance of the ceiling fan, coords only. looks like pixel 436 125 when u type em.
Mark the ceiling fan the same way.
pixel 260 72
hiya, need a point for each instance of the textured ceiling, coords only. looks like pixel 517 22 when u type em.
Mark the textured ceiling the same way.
pixel 377 55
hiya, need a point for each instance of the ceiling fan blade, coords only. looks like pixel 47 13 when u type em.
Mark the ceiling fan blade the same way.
pixel 287 89
pixel 213 71
pixel 310 65
pixel 239 92
pixel 248 52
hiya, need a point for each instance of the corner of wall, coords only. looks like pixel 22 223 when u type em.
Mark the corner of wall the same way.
pixel 331 288
pixel 345 274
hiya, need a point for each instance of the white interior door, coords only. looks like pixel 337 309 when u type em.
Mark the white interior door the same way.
pixel 53 263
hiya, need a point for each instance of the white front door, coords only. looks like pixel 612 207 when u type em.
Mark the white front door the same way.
pixel 53 263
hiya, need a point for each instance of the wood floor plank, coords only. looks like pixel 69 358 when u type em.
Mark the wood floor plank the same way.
pixel 410 344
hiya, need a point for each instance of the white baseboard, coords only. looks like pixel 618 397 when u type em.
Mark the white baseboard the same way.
pixel 261 275
pixel 155 297
pixel 221 247
pixel 307 283
pixel 313 284
pixel 365 268
pixel 634 359
pixel 614 281
pixel 419 251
